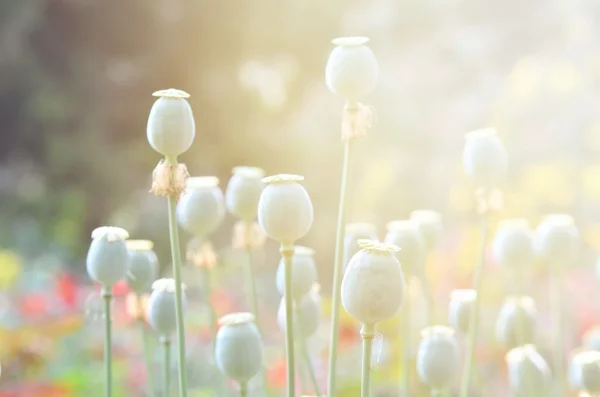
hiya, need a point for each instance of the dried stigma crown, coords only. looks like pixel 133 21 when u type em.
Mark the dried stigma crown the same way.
pixel 111 233
pixel 236 318
pixel 481 133
pixel 350 41
pixel 139 245
pixel 248 172
pixel 199 182
pixel 463 295
pixel 165 284
pixel 437 331
pixel 171 93
pixel 377 247
pixel 283 178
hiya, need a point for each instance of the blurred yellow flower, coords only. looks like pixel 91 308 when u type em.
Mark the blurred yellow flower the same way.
pixel 10 268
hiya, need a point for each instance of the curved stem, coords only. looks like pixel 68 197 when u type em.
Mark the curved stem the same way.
pixel 287 251
pixel 368 334
pixel 176 258
pixel 166 342
pixel 405 330
pixel 146 348
pixel 556 280
pixel 306 358
pixel 337 272
pixel 474 320
pixel 107 295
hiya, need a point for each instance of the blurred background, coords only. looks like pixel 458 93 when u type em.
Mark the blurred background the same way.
pixel 76 78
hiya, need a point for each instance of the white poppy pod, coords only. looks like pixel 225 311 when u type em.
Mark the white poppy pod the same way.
pixel 307 317
pixel 462 306
pixel 528 372
pixel 516 321
pixel 557 239
pixel 373 285
pixel 513 244
pixel 304 272
pixel 438 358
pixel 430 226
pixel 357 231
pixel 171 127
pixel 586 371
pixel 352 70
pixel 484 157
pixel 406 235
pixel 201 209
pixel 285 211
pixel 243 192
pixel 108 259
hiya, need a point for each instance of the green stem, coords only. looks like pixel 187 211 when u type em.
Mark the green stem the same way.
pixel 474 320
pixel 166 342
pixel 243 389
pixel 306 357
pixel 368 334
pixel 405 320
pixel 430 311
pixel 253 296
pixel 151 381
pixel 107 295
pixel 176 258
pixel 556 279
pixel 337 272
pixel 287 251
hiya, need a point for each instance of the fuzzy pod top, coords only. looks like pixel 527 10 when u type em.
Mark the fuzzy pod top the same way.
pixel 373 285
pixel 201 209
pixel 430 227
pixel 171 127
pixel 108 258
pixel 405 234
pixel 557 240
pixel 484 158
pixel 161 306
pixel 528 372
pixel 304 272
pixel 357 231
pixel 243 192
pixel 438 357
pixel 239 347
pixel 461 308
pixel 516 321
pixel 285 211
pixel 352 70
pixel 513 244
pixel 143 265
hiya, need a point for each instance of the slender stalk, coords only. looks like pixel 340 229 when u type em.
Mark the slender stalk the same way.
pixel 474 320
pixel 405 330
pixel 556 278
pixel 176 258
pixel 337 272
pixel 429 302
pixel 307 362
pixel 212 314
pixel 146 348
pixel 368 334
pixel 287 251
pixel 243 389
pixel 166 343
pixel 107 295
pixel 302 375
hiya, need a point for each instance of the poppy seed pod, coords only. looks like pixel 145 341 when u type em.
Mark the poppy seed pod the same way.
pixel 405 234
pixel 528 372
pixel 429 223
pixel 108 258
pixel 307 317
pixel 591 338
pixel 462 305
pixel 285 211
pixel 357 231
pixel 171 128
pixel 304 272
pixel 238 347
pixel 161 306
pixel 586 371
pixel 352 69
pixel 201 208
pixel 438 358
pixel 557 239
pixel 243 192
pixel 484 157
pixel 516 321
pixel 373 284
pixel 143 265
pixel 513 244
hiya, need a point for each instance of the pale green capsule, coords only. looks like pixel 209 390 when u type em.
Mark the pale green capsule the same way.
pixel 429 223
pixel 201 209
pixel 405 234
pixel 357 231
pixel 243 192
pixel 438 358
pixel 108 258
pixel 513 244
pixel 307 318
pixel 516 321
pixel 528 372
pixel 462 305
pixel 143 265
pixel 161 307
pixel 557 240
pixel 484 157
pixel 304 272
